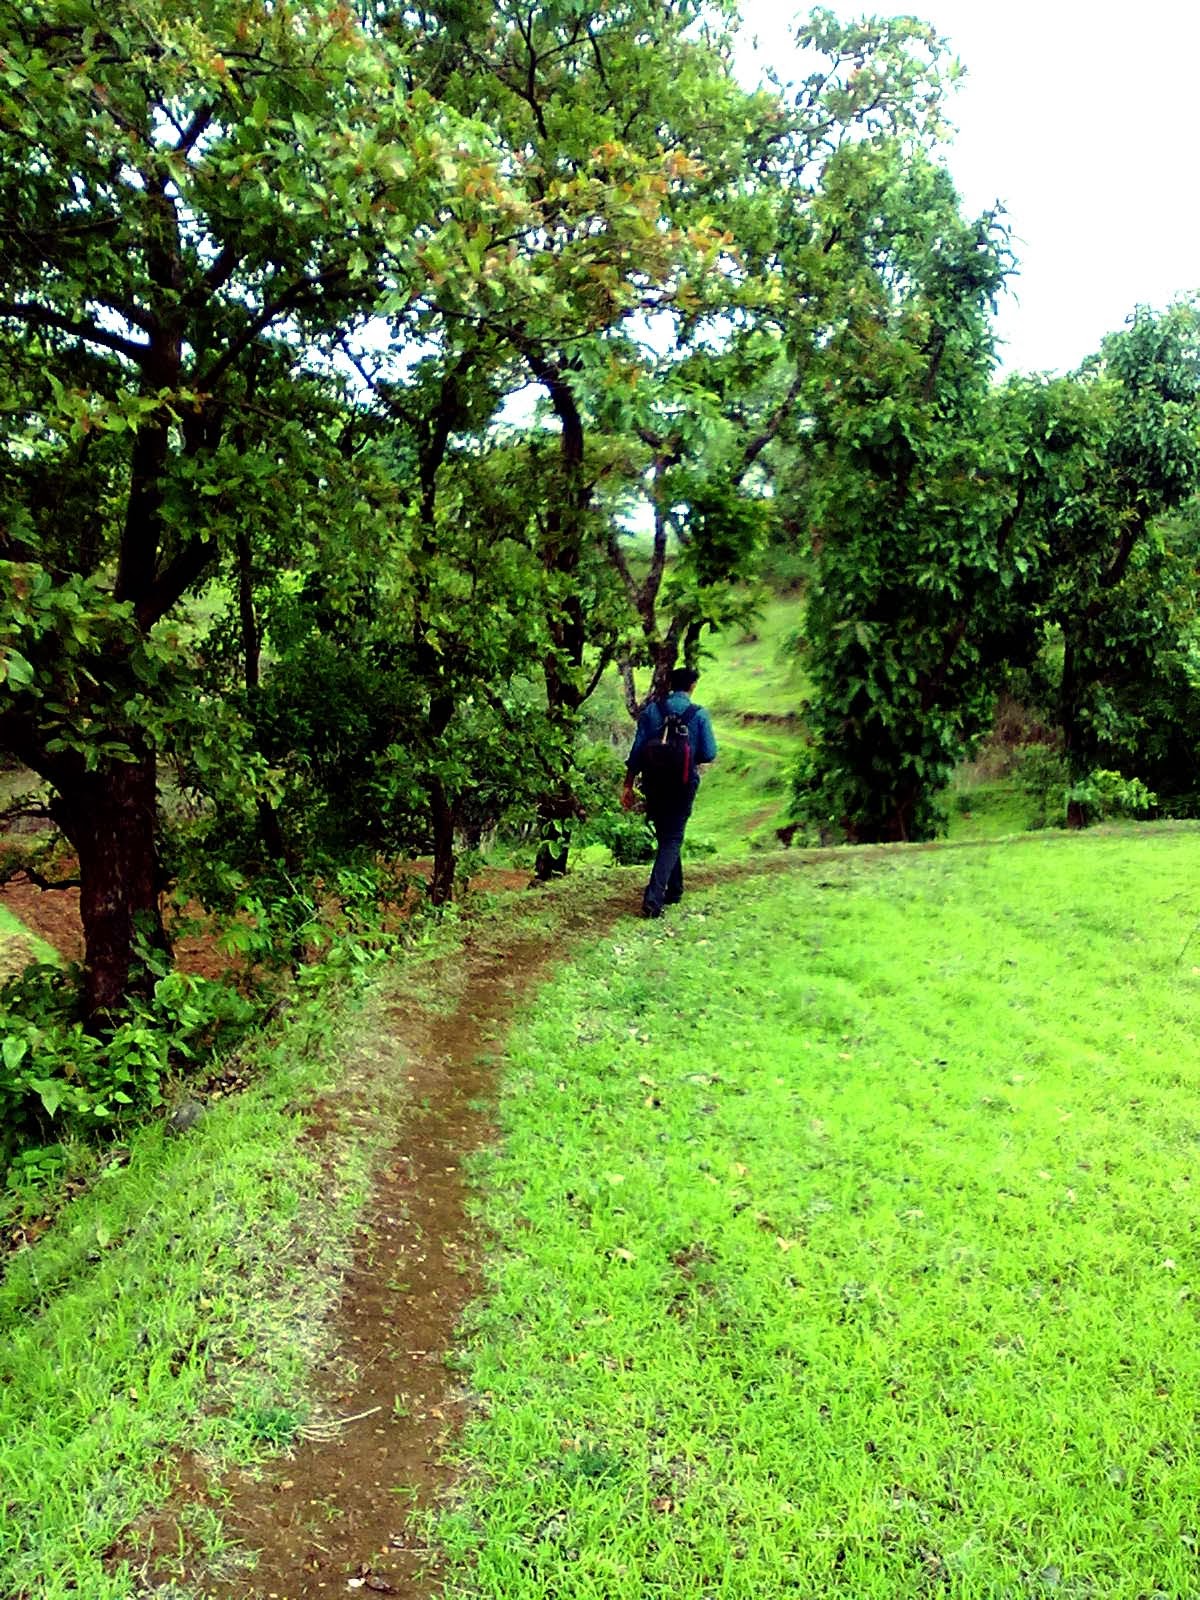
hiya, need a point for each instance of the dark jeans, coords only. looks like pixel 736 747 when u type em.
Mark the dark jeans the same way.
pixel 666 875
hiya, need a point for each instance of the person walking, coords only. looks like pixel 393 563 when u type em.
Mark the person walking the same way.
pixel 674 740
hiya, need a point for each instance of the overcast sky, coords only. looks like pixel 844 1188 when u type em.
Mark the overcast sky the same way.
pixel 1080 116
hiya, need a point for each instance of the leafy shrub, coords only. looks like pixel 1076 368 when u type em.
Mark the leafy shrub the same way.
pixel 809 810
pixel 1040 771
pixel 1104 794
pixel 54 1073
pixel 697 846
pixel 626 833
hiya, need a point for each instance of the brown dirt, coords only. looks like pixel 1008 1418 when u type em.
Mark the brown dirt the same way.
pixel 337 1511
pixel 53 915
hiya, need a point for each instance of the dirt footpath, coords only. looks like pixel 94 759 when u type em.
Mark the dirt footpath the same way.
pixel 336 1516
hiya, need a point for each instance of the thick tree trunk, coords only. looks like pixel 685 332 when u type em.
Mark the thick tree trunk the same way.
pixel 109 817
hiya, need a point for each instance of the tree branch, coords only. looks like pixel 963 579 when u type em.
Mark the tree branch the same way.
pixel 625 668
pixel 15 870
pixel 617 556
pixel 1115 570
pixel 600 668
pixel 194 129
pixel 37 316
pixel 173 582
pixel 222 269
pixel 288 301
pixel 761 440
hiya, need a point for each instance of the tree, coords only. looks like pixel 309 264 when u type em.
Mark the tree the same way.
pixel 662 195
pixel 197 199
pixel 1120 591
pixel 915 519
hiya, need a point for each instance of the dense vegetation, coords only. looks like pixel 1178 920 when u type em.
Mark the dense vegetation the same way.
pixel 378 382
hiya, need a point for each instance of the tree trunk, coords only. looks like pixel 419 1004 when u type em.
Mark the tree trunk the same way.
pixel 270 828
pixel 109 817
pixel 441 885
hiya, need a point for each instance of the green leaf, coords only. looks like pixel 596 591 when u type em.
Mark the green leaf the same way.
pixel 14 1050
pixel 51 1092
pixel 17 670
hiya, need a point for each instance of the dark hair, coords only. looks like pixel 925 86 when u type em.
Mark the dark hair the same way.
pixel 683 678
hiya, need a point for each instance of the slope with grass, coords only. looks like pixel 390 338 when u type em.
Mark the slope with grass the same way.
pixel 845 1243
pixel 179 1302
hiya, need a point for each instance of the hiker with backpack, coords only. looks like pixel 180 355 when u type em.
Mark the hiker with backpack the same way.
pixel 674 739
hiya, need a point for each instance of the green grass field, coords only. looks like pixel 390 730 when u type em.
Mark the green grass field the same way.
pixel 841 1229
pixel 845 1243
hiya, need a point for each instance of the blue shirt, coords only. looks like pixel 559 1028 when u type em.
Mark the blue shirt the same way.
pixel 650 724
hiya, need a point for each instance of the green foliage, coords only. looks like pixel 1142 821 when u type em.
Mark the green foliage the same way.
pixel 1104 794
pixel 627 835
pixel 1122 453
pixel 55 1073
pixel 1041 771
pixel 917 574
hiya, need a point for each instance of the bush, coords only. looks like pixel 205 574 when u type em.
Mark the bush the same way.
pixel 1104 794
pixel 1040 771
pixel 626 833
pixel 54 1073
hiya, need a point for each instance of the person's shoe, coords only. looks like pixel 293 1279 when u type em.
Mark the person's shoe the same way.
pixel 649 910
pixel 672 899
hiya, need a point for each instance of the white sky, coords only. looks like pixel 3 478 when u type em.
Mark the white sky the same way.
pixel 1082 117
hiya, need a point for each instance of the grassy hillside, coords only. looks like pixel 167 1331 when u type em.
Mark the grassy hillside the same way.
pixel 755 674
pixel 180 1302
pixel 844 1242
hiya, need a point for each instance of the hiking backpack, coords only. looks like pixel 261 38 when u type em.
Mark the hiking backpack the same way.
pixel 667 764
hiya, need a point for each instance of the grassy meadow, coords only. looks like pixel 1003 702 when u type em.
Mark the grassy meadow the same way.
pixel 845 1242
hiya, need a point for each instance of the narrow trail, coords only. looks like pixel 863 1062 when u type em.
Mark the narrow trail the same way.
pixel 336 1515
